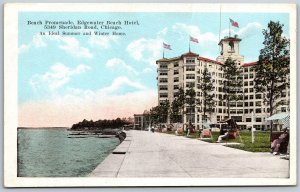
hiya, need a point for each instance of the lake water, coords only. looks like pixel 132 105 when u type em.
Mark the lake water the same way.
pixel 50 153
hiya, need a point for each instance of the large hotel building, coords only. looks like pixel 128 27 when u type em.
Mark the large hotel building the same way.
pixel 186 71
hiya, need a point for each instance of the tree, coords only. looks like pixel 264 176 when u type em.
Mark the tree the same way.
pixel 207 88
pixel 190 101
pixel 232 83
pixel 272 68
pixel 175 116
pixel 159 114
pixel 164 110
pixel 180 101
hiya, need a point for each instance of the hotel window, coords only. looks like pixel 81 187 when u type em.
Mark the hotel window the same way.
pixel 163 80
pixel 251 96
pixel 176 87
pixel 190 76
pixel 190 60
pixel 258 119
pixel 246 76
pixel 198 94
pixel 251 76
pixel 163 73
pixel 176 72
pixel 246 104
pixel 220 110
pixel 251 69
pixel 190 68
pixel 246 90
pixel 251 90
pixel 245 69
pixel 164 66
pixel 246 111
pixel 248 119
pixel 176 79
pixel 251 83
pixel 239 111
pixel 246 83
pixel 251 104
pixel 176 64
pixel 190 84
pixel 258 96
pixel 258 103
pixel 163 95
pixel 258 110
pixel 246 97
pixel 283 109
pixel 163 87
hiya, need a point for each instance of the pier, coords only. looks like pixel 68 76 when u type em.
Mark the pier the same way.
pixel 147 154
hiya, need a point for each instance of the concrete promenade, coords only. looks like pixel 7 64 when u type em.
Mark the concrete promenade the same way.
pixel 147 154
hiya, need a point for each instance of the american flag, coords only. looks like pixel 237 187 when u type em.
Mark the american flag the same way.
pixel 166 46
pixel 234 23
pixel 194 39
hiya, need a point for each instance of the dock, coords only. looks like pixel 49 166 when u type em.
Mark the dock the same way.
pixel 147 154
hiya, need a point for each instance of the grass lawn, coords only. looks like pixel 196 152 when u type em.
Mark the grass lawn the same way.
pixel 261 144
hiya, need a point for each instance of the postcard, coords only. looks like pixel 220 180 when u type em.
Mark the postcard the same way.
pixel 149 95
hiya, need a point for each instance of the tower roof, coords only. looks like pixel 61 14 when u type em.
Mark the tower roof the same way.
pixel 229 39
pixel 190 54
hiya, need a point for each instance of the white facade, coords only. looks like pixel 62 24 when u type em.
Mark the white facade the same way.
pixel 186 70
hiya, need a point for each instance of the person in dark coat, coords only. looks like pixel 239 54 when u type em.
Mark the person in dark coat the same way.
pixel 276 144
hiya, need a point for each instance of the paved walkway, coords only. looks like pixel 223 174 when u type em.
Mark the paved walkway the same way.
pixel 146 154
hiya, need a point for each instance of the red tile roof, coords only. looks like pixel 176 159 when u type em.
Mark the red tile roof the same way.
pixel 209 60
pixel 190 54
pixel 249 64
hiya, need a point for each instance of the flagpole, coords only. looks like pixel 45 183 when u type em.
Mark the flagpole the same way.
pixel 163 53
pixel 189 45
pixel 220 24
pixel 229 28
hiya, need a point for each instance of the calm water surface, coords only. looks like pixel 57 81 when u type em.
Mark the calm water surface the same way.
pixel 50 153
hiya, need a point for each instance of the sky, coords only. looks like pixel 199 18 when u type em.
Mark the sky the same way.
pixel 65 79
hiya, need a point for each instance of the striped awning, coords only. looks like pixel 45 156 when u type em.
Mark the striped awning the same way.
pixel 283 118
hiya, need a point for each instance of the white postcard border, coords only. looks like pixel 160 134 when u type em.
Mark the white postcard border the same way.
pixel 11 109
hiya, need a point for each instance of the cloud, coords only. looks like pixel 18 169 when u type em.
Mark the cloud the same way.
pixel 58 76
pixel 116 63
pixel 23 48
pixel 69 44
pixel 77 104
pixel 163 32
pixel 147 70
pixel 146 50
pixel 118 83
pixel 249 30
pixel 38 41
pixel 185 31
pixel 72 46
pixel 102 41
